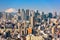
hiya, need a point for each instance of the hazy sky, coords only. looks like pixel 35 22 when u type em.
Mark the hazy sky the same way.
pixel 42 5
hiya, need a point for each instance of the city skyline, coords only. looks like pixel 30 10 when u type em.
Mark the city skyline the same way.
pixel 41 5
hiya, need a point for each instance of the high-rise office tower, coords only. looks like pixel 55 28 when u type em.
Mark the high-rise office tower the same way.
pixel 50 15
pixel 55 15
pixel 19 15
pixel 31 17
pixel 42 15
pixel 37 13
pixel 1 14
pixel 23 14
pixel 27 14
pixel 9 16
pixel 19 11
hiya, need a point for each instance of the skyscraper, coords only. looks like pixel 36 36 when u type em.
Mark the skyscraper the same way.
pixel 31 17
pixel 19 15
pixel 1 14
pixel 23 14
pixel 50 15
pixel 9 16
pixel 55 14
pixel 37 13
pixel 4 16
pixel 19 11
pixel 27 14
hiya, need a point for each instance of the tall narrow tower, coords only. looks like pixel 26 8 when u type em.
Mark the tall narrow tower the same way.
pixel 31 17
pixel 27 14
pixel 19 15
pixel 4 16
pixel 23 14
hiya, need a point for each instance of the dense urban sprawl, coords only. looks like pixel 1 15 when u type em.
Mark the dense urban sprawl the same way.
pixel 29 25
